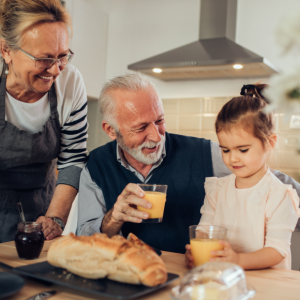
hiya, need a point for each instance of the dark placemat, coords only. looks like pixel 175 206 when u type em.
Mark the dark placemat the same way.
pixel 10 284
pixel 102 287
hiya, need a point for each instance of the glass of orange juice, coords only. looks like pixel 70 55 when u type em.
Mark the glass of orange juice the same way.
pixel 156 194
pixel 204 239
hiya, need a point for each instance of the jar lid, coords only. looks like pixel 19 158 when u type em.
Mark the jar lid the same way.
pixel 29 227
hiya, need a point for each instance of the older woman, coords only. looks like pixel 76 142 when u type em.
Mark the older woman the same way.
pixel 43 108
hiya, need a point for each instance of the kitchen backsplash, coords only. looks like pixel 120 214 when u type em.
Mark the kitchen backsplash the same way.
pixel 196 117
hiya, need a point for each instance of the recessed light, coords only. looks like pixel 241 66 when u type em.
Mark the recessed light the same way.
pixel 237 66
pixel 157 70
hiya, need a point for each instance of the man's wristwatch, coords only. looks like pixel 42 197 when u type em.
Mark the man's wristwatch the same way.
pixel 59 222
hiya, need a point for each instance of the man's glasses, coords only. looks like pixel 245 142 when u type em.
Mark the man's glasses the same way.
pixel 46 63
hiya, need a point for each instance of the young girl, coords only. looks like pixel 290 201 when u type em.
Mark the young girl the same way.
pixel 259 211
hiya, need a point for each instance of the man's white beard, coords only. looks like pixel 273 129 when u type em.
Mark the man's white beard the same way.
pixel 138 154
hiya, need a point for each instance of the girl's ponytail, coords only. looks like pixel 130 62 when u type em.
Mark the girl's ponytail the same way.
pixel 247 112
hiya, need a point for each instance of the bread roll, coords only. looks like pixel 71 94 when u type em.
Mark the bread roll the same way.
pixel 97 256
pixel 137 242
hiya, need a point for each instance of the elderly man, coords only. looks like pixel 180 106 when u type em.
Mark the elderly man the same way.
pixel 143 152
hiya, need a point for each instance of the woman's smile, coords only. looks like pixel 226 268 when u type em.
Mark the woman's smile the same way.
pixel 45 78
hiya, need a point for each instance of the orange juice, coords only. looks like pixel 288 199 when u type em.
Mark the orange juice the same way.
pixel 201 249
pixel 158 201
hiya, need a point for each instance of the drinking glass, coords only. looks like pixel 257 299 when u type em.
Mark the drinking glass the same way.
pixel 156 194
pixel 204 239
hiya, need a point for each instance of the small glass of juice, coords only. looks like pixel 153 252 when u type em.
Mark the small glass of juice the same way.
pixel 204 239
pixel 156 194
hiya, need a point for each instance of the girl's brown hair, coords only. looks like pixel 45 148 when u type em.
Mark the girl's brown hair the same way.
pixel 16 16
pixel 247 111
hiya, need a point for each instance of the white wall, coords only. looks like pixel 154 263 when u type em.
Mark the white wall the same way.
pixel 145 28
pixel 111 34
pixel 89 43
pixel 257 24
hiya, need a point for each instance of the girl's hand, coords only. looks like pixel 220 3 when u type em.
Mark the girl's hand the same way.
pixel 189 260
pixel 225 255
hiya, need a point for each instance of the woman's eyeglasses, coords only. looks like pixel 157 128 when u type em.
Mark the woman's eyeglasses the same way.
pixel 46 63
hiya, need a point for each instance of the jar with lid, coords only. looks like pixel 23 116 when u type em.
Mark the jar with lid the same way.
pixel 29 240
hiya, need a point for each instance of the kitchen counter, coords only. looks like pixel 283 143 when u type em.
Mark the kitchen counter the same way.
pixel 270 284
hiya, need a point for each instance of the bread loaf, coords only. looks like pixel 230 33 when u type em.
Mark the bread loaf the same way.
pixel 98 256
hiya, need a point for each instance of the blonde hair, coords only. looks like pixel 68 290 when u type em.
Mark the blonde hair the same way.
pixel 17 16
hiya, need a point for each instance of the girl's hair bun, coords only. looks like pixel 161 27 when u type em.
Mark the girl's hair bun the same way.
pixel 247 111
pixel 254 90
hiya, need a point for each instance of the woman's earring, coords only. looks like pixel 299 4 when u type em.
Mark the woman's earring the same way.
pixel 6 72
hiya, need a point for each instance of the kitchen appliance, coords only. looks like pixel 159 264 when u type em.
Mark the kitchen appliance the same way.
pixel 215 55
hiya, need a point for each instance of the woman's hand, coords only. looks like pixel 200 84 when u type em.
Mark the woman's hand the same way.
pixel 189 260
pixel 50 228
pixel 225 255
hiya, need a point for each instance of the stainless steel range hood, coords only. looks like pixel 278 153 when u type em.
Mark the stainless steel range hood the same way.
pixel 215 55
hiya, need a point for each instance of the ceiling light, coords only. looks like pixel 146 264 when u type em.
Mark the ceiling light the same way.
pixel 157 70
pixel 237 66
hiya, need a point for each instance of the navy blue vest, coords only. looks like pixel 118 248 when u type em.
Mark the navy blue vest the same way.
pixel 187 163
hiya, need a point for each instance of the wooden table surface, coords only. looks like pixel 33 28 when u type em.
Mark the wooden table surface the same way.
pixel 270 284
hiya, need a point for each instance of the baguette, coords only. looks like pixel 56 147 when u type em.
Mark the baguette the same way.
pixel 97 256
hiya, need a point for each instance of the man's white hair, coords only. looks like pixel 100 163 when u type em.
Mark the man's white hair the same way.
pixel 133 81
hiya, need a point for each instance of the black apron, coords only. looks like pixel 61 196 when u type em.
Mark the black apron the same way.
pixel 27 167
